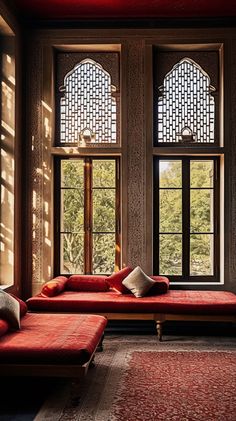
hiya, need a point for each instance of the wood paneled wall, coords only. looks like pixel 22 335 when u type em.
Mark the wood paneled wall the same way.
pixel 136 150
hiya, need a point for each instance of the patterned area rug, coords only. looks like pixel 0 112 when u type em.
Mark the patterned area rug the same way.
pixel 139 379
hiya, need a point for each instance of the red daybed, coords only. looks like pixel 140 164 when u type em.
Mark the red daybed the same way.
pixel 114 305
pixel 50 344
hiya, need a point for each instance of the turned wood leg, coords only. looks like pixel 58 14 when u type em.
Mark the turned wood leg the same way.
pixel 159 330
pixel 100 345
pixel 92 363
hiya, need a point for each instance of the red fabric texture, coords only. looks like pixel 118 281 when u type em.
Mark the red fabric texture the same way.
pixel 23 305
pixel 4 327
pixel 161 285
pixel 54 286
pixel 115 280
pixel 53 339
pixel 107 9
pixel 87 283
pixel 172 385
pixel 180 302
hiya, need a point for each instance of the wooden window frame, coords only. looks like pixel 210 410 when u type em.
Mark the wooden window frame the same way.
pixel 185 277
pixel 88 212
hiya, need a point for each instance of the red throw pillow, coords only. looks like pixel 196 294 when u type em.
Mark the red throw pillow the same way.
pixel 161 285
pixel 4 327
pixel 115 280
pixel 90 283
pixel 55 286
pixel 23 305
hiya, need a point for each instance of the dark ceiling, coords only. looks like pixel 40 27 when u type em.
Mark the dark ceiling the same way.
pixel 49 10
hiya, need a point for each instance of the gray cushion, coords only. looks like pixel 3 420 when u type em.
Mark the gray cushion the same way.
pixel 138 282
pixel 9 309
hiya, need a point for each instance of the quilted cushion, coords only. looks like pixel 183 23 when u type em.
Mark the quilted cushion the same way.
pixel 174 301
pixel 160 286
pixel 53 339
pixel 4 327
pixel 9 309
pixel 138 282
pixel 115 280
pixel 87 283
pixel 54 287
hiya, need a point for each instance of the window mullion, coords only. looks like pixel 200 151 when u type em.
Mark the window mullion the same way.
pixel 216 217
pixel 88 215
pixel 118 234
pixel 156 198
pixel 186 216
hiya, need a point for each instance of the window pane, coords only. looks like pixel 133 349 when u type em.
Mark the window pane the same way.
pixel 170 210
pixel 72 253
pixel 72 173
pixel 72 210
pixel 104 201
pixel 170 254
pixel 8 182
pixel 201 254
pixel 201 210
pixel 170 173
pixel 104 246
pixel 104 173
pixel 201 173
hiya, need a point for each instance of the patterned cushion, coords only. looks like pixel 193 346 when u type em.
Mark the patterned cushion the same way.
pixel 138 282
pixel 9 309
pixel 115 280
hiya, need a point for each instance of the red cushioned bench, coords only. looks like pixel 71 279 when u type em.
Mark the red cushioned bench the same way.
pixel 50 344
pixel 172 305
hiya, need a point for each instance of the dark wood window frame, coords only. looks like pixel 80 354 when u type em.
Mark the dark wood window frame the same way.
pixel 185 277
pixel 88 212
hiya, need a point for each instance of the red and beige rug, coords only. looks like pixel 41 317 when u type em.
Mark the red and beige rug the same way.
pixel 142 380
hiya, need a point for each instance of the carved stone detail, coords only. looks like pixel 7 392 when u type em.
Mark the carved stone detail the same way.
pixel 136 154
pixel 230 186
pixel 35 110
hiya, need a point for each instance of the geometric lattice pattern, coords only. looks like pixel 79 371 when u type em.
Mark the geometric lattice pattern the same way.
pixel 88 111
pixel 186 108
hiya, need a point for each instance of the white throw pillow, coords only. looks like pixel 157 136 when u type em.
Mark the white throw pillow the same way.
pixel 138 282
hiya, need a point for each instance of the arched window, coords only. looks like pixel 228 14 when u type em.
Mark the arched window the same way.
pixel 187 95
pixel 186 107
pixel 88 107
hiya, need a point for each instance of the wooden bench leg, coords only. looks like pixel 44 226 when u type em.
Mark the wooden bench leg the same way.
pixel 100 345
pixel 92 363
pixel 159 330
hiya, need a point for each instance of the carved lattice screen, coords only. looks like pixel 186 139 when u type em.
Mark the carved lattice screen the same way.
pixel 88 103
pixel 185 100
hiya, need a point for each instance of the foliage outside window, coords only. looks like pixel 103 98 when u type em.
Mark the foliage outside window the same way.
pixel 186 218
pixel 88 238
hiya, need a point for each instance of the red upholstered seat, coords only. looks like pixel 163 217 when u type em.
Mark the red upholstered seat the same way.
pixel 53 339
pixel 186 302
